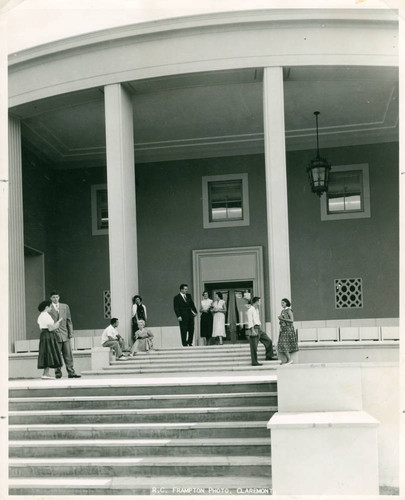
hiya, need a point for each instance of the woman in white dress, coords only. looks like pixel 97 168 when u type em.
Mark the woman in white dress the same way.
pixel 219 310
pixel 143 339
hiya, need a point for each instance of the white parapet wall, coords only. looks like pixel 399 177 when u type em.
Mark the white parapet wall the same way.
pixel 349 405
pixel 324 453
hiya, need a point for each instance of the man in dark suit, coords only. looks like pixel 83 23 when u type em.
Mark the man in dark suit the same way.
pixel 185 311
pixel 63 334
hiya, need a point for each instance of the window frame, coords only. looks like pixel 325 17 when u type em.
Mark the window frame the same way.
pixel 245 221
pixel 94 210
pixel 365 194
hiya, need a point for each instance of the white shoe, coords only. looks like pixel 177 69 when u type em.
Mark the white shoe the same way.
pixel 288 362
pixel 122 358
pixel 47 377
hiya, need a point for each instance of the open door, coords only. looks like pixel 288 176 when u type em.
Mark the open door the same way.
pixel 237 296
pixel 34 289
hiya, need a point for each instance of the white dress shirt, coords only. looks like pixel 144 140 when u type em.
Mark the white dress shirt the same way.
pixel 110 331
pixel 253 317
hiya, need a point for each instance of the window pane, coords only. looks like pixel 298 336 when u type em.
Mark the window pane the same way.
pixel 353 202
pixel 218 213
pixel 345 192
pixel 102 209
pixel 225 198
pixel 336 204
pixel 225 190
pixel 234 213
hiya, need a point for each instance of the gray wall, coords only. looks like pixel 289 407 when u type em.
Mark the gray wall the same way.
pixel 357 248
pixel 170 226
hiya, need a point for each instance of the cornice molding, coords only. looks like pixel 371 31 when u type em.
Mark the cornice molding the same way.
pixel 282 17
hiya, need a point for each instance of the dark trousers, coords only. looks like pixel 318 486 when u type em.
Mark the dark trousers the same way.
pixel 187 329
pixel 66 351
pixel 254 342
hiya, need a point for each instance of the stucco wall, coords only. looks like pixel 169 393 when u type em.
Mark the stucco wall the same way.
pixel 38 200
pixel 170 226
pixel 322 251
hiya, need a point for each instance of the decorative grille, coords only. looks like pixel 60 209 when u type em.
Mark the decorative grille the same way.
pixel 107 304
pixel 348 293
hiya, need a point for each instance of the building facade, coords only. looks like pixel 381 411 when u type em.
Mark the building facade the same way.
pixel 146 156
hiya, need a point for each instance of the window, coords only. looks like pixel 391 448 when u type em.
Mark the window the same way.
pixel 348 195
pixel 225 200
pixel 99 209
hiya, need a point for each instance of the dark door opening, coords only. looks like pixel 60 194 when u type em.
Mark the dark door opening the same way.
pixel 236 295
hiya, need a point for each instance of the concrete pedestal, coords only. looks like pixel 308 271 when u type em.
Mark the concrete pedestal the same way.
pixel 322 440
pixel 324 453
pixel 100 358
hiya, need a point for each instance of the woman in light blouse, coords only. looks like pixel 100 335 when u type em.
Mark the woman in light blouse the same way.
pixel 219 310
pixel 138 313
pixel 49 355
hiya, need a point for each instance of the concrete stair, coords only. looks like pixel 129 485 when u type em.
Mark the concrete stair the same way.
pixel 234 358
pixel 126 437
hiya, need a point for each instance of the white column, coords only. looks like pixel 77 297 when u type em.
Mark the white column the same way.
pixel 17 328
pixel 276 192
pixel 121 204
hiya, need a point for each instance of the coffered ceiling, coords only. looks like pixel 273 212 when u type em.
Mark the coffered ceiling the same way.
pixel 217 114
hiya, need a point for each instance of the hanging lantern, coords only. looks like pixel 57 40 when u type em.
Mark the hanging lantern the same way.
pixel 318 169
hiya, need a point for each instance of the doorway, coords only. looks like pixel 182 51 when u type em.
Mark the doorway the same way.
pixel 34 289
pixel 236 295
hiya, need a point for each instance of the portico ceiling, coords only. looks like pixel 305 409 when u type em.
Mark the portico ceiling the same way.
pixel 218 114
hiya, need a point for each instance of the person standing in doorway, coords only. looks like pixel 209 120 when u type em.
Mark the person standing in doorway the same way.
pixel 219 311
pixel 256 334
pixel 185 311
pixel 287 340
pixel 63 333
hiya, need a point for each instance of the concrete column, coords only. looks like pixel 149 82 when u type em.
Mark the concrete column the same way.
pixel 121 204
pixel 276 192
pixel 17 326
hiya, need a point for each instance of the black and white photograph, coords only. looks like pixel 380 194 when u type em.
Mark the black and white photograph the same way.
pixel 200 235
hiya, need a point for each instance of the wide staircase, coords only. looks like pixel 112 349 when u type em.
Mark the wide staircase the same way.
pixel 129 434
pixel 227 358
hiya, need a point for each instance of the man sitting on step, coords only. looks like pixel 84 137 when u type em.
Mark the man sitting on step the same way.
pixel 111 338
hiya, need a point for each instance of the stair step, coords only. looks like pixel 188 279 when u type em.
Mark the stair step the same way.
pixel 139 447
pixel 131 386
pixel 267 365
pixel 141 466
pixel 143 415
pixel 133 362
pixel 186 356
pixel 148 430
pixel 253 485
pixel 143 401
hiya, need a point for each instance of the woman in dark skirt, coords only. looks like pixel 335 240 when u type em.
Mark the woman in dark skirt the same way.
pixel 206 318
pixel 49 355
pixel 138 313
pixel 287 340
